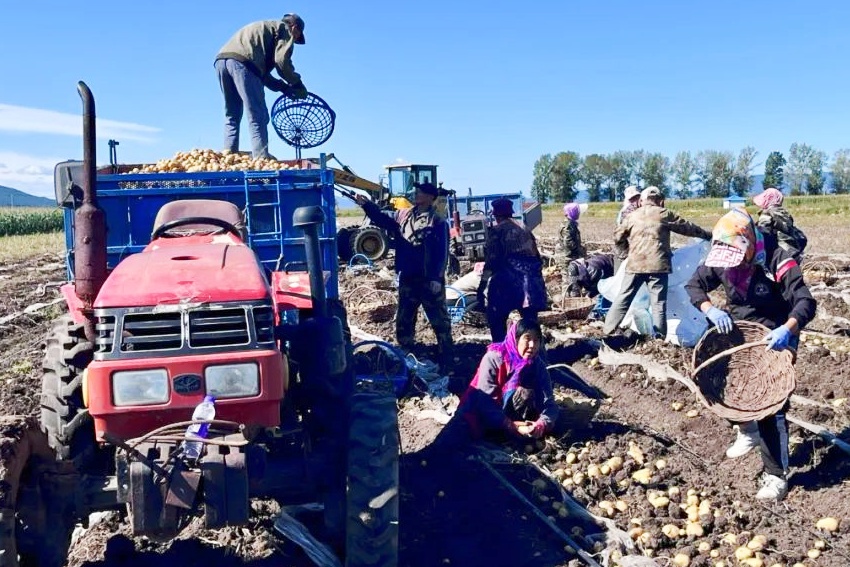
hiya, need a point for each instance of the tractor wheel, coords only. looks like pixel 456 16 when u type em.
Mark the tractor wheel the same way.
pixel 36 503
pixel 371 242
pixel 69 428
pixel 372 492
pixel 344 248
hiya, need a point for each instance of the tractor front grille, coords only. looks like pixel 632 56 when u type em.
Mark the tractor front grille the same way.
pixel 139 332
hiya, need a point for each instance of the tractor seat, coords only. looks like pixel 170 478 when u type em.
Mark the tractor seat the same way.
pixel 210 208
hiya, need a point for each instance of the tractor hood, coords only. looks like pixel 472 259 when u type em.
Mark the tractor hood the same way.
pixel 190 269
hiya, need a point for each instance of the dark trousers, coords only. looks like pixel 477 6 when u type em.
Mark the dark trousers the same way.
pixel 657 284
pixel 497 320
pixel 412 294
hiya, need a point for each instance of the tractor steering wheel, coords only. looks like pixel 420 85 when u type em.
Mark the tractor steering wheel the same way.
pixel 171 225
pixel 477 212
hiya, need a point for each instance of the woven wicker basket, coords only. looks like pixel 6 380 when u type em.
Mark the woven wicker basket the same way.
pixel 551 318
pixel 377 306
pixel 738 379
pixel 576 307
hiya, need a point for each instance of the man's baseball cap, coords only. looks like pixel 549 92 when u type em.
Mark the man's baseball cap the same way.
pixel 427 188
pixel 651 192
pixel 296 21
pixel 631 192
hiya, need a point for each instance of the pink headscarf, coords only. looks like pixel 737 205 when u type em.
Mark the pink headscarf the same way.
pixel 770 197
pixel 572 211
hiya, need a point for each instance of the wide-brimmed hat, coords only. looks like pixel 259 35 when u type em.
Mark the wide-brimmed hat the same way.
pixel 631 192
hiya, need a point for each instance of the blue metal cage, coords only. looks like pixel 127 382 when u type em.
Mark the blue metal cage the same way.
pixel 267 200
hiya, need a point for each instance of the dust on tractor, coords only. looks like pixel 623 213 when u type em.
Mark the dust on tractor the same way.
pixel 189 284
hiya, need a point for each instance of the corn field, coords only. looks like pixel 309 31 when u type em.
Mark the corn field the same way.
pixel 20 221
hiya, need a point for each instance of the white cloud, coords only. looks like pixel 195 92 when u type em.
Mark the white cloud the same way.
pixel 36 120
pixel 30 174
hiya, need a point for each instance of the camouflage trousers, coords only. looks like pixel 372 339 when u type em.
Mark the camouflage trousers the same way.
pixel 412 294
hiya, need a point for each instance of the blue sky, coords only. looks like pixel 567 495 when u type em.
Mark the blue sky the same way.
pixel 480 88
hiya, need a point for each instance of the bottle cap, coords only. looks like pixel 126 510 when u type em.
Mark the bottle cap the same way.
pixel 210 399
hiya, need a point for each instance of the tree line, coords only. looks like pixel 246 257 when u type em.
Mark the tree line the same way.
pixel 708 173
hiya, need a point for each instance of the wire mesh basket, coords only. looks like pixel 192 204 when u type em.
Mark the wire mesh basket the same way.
pixel 737 377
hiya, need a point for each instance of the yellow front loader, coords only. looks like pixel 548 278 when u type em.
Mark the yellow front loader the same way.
pixel 393 193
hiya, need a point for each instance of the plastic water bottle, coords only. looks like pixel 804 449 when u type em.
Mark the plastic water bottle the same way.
pixel 204 410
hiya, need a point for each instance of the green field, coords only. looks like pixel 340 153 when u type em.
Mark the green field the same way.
pixel 29 220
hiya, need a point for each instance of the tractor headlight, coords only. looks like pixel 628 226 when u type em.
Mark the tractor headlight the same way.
pixel 233 380
pixel 140 387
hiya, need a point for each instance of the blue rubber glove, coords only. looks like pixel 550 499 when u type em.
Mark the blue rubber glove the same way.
pixel 778 338
pixel 720 319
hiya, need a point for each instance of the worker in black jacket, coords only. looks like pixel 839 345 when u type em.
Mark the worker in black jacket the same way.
pixel 763 284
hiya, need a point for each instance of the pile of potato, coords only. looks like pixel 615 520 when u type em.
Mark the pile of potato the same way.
pixel 210 160
pixel 686 526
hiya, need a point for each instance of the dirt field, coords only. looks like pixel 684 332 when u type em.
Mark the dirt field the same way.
pixel 455 512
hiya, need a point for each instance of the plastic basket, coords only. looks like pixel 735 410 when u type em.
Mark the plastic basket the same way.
pixel 458 310
pixel 737 377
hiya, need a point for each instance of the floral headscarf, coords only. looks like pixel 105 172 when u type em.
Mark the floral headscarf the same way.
pixel 770 197
pixel 736 240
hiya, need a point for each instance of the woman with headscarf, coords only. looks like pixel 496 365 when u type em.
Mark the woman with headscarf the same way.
pixel 511 392
pixel 513 272
pixel 776 219
pixel 570 234
pixel 763 283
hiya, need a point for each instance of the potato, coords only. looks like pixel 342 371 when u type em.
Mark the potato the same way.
pixel 828 524
pixel 757 543
pixel 642 476
pixel 681 560
pixel 670 530
pixel 694 529
pixel 743 552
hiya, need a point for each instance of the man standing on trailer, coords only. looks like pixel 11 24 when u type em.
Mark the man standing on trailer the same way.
pixel 244 66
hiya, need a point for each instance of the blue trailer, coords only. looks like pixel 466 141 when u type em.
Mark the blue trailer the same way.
pixel 131 201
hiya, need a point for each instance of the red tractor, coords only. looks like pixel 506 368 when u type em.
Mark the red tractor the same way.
pixel 185 285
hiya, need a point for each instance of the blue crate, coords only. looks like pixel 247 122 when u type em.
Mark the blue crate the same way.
pixel 267 200
pixel 458 310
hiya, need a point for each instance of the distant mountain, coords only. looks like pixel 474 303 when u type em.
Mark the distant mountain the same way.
pixel 14 198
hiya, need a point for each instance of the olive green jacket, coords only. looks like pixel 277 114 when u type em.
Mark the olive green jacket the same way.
pixel 645 233
pixel 262 47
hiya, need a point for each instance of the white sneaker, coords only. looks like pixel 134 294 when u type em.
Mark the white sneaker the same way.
pixel 772 488
pixel 746 442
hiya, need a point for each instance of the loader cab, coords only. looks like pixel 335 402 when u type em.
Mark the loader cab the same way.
pixel 401 179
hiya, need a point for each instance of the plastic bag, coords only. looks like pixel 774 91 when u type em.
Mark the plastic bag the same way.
pixel 685 323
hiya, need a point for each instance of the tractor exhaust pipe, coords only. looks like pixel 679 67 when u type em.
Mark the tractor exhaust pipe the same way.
pixel 89 221
pixel 308 219
pixel 319 346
